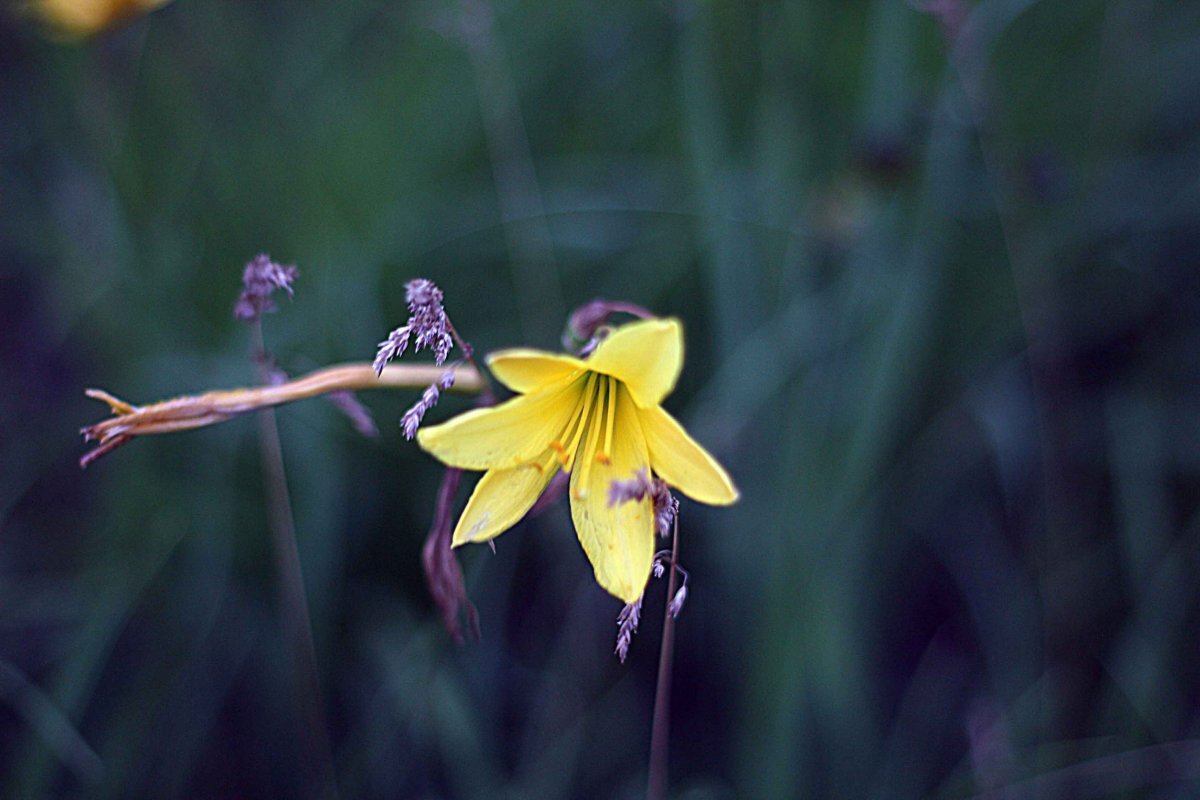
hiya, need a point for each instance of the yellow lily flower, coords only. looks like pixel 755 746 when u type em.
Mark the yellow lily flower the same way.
pixel 598 419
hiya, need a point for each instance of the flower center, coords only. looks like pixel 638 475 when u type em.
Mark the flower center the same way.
pixel 587 438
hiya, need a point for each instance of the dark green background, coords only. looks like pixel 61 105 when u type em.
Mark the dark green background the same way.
pixel 942 311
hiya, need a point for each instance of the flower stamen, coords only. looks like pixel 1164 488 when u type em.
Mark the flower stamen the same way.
pixel 594 431
pixel 578 424
pixel 609 424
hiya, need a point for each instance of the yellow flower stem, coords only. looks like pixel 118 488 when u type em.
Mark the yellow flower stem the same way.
pixel 197 411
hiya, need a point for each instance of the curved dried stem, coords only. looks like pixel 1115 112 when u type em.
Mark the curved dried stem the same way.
pixel 209 408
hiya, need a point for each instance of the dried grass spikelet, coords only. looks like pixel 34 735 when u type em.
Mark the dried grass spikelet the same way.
pixel 196 411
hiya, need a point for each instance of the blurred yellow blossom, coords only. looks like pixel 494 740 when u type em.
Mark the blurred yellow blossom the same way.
pixel 80 18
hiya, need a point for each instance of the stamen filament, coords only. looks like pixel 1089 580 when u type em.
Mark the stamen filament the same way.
pixel 585 460
pixel 604 456
pixel 579 424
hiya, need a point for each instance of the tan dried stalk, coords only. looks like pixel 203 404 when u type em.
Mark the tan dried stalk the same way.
pixel 196 411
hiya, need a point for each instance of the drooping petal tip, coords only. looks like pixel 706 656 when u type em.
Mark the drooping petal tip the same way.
pixel 682 462
pixel 501 499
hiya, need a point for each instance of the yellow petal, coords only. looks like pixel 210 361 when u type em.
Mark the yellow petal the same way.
pixel 618 540
pixel 680 461
pixel 646 355
pixel 507 435
pixel 501 498
pixel 525 370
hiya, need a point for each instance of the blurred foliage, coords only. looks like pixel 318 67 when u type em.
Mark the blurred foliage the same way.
pixel 940 283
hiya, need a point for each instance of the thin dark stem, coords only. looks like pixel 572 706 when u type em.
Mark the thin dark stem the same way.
pixel 660 735
pixel 487 396
pixel 293 602
pixel 632 309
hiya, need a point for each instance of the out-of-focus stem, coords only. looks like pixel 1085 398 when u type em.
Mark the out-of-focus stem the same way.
pixel 660 734
pixel 197 411
pixel 293 601
pixel 443 575
pixel 293 604
pixel 523 213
